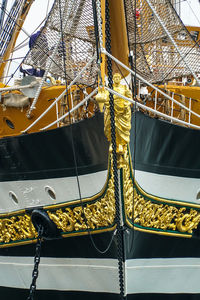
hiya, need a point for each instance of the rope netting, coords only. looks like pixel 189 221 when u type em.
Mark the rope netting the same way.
pixel 10 26
pixel 78 44
pixel 156 56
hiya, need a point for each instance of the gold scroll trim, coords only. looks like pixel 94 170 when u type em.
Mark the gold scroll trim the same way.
pixel 162 217
pixel 96 216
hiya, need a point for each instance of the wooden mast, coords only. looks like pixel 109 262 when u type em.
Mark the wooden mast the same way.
pixel 118 32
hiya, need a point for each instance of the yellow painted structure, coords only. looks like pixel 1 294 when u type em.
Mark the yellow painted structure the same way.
pixel 118 33
pixel 18 116
pixel 179 93
pixel 119 48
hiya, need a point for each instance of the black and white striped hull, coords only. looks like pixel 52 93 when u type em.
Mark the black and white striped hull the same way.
pixel 166 158
pixel 156 267
pixel 57 160
pixel 166 165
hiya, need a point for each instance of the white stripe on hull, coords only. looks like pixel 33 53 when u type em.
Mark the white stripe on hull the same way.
pixel 171 275
pixel 92 275
pixel 31 193
pixel 169 187
pixel 174 275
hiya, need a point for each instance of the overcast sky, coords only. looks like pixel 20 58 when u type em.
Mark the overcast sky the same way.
pixel 190 13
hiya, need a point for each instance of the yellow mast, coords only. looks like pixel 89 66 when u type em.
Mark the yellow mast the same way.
pixel 118 32
pixel 20 21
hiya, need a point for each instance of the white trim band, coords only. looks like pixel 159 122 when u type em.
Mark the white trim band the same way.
pixel 170 275
pixel 169 187
pixel 64 274
pixel 32 193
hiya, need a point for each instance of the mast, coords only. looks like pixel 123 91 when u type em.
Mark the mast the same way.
pixel 2 15
pixel 118 32
pixel 11 30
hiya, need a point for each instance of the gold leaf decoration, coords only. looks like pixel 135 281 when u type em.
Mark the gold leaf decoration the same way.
pixel 127 187
pixel 162 216
pixel 87 216
pixel 16 228
pixel 151 215
pixel 95 215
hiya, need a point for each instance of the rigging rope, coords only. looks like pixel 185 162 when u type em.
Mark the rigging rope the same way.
pixel 74 154
pixel 156 52
pixel 10 19
pixel 9 26
pixel 180 60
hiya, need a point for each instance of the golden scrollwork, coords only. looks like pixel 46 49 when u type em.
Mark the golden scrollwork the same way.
pixel 90 216
pixel 122 111
pixel 161 216
pixel 98 214
pixel 127 184
pixel 16 228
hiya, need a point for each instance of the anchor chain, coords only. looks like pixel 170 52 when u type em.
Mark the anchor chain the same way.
pixel 120 229
pixel 36 263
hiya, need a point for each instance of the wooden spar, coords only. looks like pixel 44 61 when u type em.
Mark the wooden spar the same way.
pixel 17 29
pixel 118 32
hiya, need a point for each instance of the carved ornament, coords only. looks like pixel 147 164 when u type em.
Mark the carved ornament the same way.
pixel 90 216
pixel 161 216
pixel 122 111
pixel 94 214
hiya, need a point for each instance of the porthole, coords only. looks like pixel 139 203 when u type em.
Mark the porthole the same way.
pixel 13 197
pixel 9 123
pixel 51 193
pixel 198 195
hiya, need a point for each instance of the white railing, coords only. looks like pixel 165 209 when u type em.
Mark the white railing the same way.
pixel 189 100
pixel 72 110
pixel 172 106
pixel 150 84
pixel 154 110
pixel 61 95
pixel 138 104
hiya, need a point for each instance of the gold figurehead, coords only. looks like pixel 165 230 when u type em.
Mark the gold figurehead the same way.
pixel 122 111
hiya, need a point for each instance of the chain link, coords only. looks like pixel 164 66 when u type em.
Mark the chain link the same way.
pixel 36 264
pixel 119 234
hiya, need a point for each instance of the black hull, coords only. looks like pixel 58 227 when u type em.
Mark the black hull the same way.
pixel 33 164
pixel 137 246
pixel 52 154
pixel 90 260
pixel 72 247
pixel 165 154
pixel 52 295
pixel 164 148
